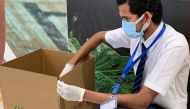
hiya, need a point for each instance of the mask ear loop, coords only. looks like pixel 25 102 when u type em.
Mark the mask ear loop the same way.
pixel 145 26
pixel 140 19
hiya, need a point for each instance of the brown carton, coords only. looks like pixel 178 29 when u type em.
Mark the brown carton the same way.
pixel 29 82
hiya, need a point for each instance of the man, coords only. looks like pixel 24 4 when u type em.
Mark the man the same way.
pixel 2 29
pixel 163 69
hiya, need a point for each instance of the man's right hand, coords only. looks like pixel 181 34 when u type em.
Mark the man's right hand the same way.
pixel 89 45
pixel 67 68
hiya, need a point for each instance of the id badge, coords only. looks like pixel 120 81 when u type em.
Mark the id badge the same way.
pixel 110 104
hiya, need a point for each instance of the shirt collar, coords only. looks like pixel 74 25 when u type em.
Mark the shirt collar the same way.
pixel 153 36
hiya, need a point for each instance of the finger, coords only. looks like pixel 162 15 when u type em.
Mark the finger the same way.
pixel 62 74
pixel 61 91
pixel 59 87
pixel 62 84
pixel 59 83
pixel 58 91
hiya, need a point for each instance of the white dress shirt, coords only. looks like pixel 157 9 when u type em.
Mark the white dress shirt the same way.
pixel 167 67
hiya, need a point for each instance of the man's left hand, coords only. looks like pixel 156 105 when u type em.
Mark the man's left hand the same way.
pixel 70 92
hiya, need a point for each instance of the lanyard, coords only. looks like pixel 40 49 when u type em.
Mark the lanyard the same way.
pixel 131 63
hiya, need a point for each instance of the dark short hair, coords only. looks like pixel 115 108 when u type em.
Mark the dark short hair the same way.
pixel 139 7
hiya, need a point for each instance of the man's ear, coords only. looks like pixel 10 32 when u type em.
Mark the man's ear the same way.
pixel 148 17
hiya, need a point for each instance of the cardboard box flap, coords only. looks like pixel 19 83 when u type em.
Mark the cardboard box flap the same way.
pixel 28 90
pixel 43 61
pixel 54 61
pixel 30 62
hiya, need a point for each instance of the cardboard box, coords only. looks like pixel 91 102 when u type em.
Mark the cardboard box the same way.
pixel 1 101
pixel 29 82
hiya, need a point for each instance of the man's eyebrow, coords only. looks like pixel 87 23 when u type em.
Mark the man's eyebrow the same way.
pixel 126 17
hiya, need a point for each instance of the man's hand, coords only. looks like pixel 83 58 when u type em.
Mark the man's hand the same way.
pixel 70 92
pixel 89 45
pixel 67 68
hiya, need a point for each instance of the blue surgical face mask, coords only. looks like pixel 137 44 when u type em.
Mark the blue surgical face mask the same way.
pixel 130 28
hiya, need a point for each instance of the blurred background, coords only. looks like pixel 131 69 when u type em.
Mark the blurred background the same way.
pixel 66 25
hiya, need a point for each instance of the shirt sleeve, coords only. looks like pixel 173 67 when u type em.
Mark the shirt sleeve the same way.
pixel 166 69
pixel 117 38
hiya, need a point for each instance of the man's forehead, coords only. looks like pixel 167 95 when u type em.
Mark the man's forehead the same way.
pixel 124 7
